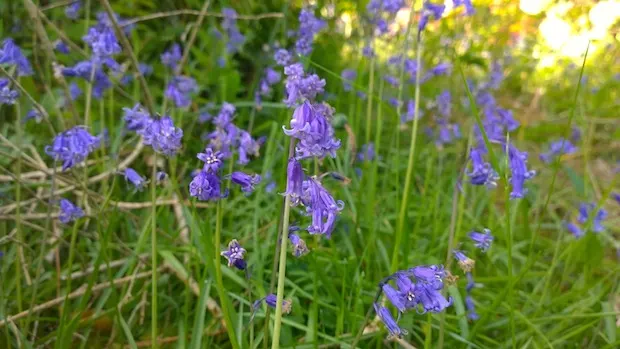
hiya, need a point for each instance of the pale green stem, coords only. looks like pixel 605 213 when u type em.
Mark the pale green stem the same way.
pixel 414 133
pixel 154 254
pixel 275 344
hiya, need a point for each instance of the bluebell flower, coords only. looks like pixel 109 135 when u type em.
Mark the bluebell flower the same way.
pixel 246 146
pixel 69 212
pixel 444 101
pixel 102 40
pixel 465 263
pixel 136 118
pixel 171 57
pixel 518 170
pixel 282 57
pixel 367 153
pixel 321 206
pixel 33 114
pixel 134 178
pixel 299 246
pixel 74 91
pixel 495 77
pixel 162 135
pixel 271 300
pixel 431 299
pixel 235 38
pixel 395 297
pixel 585 210
pixel 225 116
pixel 447 132
pixel 574 229
pixel 206 187
pixel 103 19
pixel 558 148
pixel 72 10
pixel 235 254
pixel 431 275
pixel 72 146
pixel 348 75
pixel 430 10
pixel 85 69
pixel 441 69
pixel 471 310
pixel 312 127
pixel 212 160
pixel 300 86
pixel 245 181
pixel 469 7
pixel 407 289
pixel 61 47
pixel 616 196
pixel 7 95
pixel 482 172
pixel 481 240
pixel 179 90
pixel 309 26
pixel 368 51
pixel 384 314
pixel 11 54
pixel 294 181
pixel 392 80
pixel 161 176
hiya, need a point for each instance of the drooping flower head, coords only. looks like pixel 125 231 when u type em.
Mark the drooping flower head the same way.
pixel 444 103
pixel 72 146
pixel 72 10
pixel 235 38
pixel 272 300
pixel 86 69
pixel 11 54
pixel 482 172
pixel 465 263
pixel 171 57
pixel 299 246
pixel 206 187
pixel 179 90
pixel 234 254
pixel 481 240
pixel 294 181
pixel 558 148
pixel 321 206
pixel 586 210
pixel 348 75
pixel 102 41
pixel 386 317
pixel 518 170
pixel 162 135
pixel 301 86
pixel 309 26
pixel 136 118
pixel 430 10
pixel 312 127
pixel 245 181
pixel 69 212
pixel 282 57
pixel 61 47
pixel 134 178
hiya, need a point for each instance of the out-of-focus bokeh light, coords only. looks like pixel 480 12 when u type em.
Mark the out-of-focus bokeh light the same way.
pixel 555 31
pixel 533 7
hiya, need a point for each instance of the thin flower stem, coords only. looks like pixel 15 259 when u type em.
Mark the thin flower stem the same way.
pixel 275 344
pixel 154 252
pixel 18 190
pixel 371 85
pixel 219 280
pixel 412 149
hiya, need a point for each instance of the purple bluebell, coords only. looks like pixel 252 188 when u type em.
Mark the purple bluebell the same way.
pixel 72 10
pixel 395 297
pixel 430 10
pixel 518 170
pixel 447 132
pixel 134 178
pixel 85 70
pixel 225 116
pixel 574 229
pixel 136 118
pixel 206 187
pixel 11 54
pixel 205 114
pixel 481 240
pixel 212 160
pixel 441 69
pixel 406 288
pixel 299 246
pixel 282 57
pixel 410 114
pixel 246 146
pixel 431 275
pixel 179 90
pixel 309 26
pixel 74 91
pixel 482 172
pixel 103 19
pixel 558 148
pixel 69 212
pixel 72 146
pixel 368 51
pixel 321 206
pixel 161 176
pixel 431 299
pixel 7 95
pixel 386 317
pixel 234 254
pixel 616 196
pixel 162 135
pixel 495 77
pixel 102 41
pixel 585 210
pixel 575 134
pixel 271 300
pixel 301 86
pixel 245 181
pixel 392 80
pixel 311 126
pixel 33 114
pixel 294 181
pixel 348 75
pixel 235 38
pixel 171 57
pixel 471 308
pixel 61 47
pixel 367 153
pixel 444 101
pixel 465 263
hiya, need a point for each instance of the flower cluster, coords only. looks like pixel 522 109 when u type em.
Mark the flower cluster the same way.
pixel 417 288
pixel 311 125
pixel 558 148
pixel 179 90
pixel 11 54
pixel 162 135
pixel 309 26
pixel 270 78
pixel 7 95
pixel 69 211
pixel 72 10
pixel 227 136
pixel 301 86
pixel 235 38
pixel 172 56
pixel 430 10
pixel 587 212
pixel 348 75
pixel 382 13
pixel 72 146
